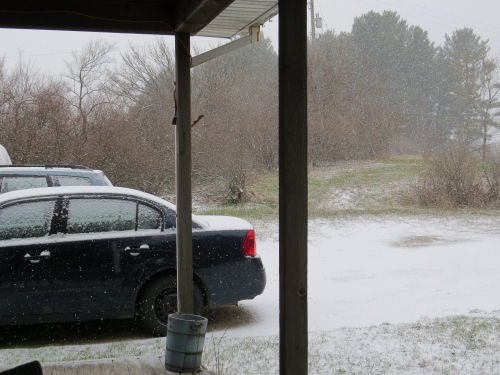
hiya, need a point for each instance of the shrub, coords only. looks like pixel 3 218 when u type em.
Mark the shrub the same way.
pixel 457 178
pixel 236 185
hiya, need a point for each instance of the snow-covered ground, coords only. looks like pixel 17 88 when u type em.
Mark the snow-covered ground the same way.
pixel 363 273
pixel 374 270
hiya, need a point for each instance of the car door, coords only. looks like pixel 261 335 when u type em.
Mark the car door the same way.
pixel 101 257
pixel 25 250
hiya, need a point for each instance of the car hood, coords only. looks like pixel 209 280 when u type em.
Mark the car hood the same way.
pixel 212 222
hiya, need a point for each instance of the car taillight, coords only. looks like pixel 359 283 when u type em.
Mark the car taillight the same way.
pixel 248 247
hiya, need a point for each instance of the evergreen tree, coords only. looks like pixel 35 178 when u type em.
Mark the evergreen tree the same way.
pixel 465 63
pixel 489 104
pixel 403 58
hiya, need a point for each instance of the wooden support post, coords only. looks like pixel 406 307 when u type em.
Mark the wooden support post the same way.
pixel 183 174
pixel 293 186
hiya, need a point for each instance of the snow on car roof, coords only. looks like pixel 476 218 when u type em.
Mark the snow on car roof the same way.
pixel 75 190
pixel 20 168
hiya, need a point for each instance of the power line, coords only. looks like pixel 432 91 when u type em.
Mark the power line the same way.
pixel 432 15
pixel 7 57
pixel 432 11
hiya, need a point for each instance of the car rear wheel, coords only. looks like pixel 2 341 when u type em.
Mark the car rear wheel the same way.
pixel 159 300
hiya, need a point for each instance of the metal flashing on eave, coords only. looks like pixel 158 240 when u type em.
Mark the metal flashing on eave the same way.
pixel 239 16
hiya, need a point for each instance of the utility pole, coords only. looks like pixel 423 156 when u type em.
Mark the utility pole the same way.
pixel 313 25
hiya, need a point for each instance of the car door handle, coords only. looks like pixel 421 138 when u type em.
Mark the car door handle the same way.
pixel 135 251
pixel 36 258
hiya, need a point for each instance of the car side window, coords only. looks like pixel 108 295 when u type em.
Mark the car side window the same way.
pixel 22 182
pixel 148 217
pixel 170 219
pixel 87 215
pixel 72 181
pixel 25 220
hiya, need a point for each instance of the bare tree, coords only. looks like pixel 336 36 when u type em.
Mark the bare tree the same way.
pixel 145 71
pixel 33 106
pixel 88 76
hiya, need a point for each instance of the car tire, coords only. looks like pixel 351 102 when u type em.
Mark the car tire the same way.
pixel 159 300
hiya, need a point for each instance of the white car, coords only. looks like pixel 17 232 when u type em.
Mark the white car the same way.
pixel 4 156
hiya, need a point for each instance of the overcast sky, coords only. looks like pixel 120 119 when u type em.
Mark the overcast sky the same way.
pixel 48 50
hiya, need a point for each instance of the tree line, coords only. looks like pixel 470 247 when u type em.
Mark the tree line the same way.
pixel 386 88
pixel 380 89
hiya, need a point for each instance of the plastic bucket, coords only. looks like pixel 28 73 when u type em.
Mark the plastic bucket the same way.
pixel 185 340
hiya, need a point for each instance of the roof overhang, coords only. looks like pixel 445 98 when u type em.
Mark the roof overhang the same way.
pixel 217 18
pixel 238 17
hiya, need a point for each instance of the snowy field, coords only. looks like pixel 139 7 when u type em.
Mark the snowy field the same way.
pixel 374 270
pixel 386 295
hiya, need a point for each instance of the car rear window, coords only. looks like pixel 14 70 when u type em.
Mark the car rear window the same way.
pixel 148 218
pixel 22 182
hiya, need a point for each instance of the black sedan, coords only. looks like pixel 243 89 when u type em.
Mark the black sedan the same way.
pixel 95 252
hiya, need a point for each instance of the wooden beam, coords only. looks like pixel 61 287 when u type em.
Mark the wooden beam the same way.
pixel 293 186
pixel 183 174
pixel 156 17
pixel 194 15
pixel 221 50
